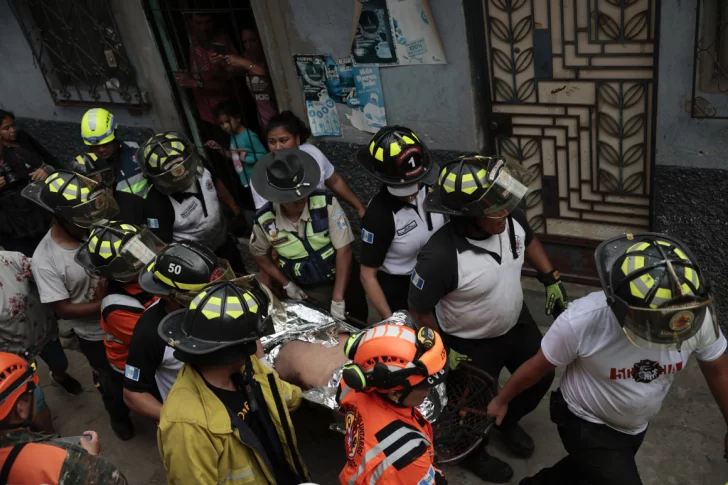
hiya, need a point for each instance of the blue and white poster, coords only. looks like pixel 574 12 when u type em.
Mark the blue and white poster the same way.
pixel 320 108
pixel 369 115
pixel 340 80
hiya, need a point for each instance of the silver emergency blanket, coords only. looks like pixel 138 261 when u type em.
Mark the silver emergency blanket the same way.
pixel 297 320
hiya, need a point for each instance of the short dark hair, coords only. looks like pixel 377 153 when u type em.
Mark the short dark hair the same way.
pixel 228 108
pixel 6 114
pixel 289 122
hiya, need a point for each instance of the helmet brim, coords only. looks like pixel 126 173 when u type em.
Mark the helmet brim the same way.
pixel 312 177
pixel 150 284
pixel 433 203
pixel 428 176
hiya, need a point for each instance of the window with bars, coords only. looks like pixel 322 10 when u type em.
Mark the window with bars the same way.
pixel 78 48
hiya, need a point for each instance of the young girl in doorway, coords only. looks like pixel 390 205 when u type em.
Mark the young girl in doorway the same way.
pixel 245 146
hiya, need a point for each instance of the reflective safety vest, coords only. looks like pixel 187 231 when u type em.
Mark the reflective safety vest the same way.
pixel 385 443
pixel 309 260
pixel 121 309
pixel 129 177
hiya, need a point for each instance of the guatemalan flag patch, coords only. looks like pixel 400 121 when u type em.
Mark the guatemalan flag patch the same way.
pixel 417 280
pixel 131 373
pixel 367 237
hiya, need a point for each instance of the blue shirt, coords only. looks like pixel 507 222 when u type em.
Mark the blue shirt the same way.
pixel 254 151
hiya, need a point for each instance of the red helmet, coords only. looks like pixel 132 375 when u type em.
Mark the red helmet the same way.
pixel 394 357
pixel 17 377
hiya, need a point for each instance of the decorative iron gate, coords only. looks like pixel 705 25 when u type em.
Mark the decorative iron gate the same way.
pixel 576 80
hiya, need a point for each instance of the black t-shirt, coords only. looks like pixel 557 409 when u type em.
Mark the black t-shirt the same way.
pixel 260 424
pixel 146 352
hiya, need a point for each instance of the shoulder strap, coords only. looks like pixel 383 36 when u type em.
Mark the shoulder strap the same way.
pixel 9 461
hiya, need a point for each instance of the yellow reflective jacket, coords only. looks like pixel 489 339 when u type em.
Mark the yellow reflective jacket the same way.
pixel 199 445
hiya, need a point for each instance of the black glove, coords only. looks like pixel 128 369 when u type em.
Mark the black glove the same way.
pixel 555 292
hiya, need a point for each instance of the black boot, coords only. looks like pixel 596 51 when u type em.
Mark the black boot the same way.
pixel 517 440
pixel 123 428
pixel 487 467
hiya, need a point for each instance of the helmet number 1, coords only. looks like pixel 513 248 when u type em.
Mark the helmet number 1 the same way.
pixel 411 161
pixel 175 268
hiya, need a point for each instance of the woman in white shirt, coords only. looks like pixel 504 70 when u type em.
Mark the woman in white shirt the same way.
pixel 287 130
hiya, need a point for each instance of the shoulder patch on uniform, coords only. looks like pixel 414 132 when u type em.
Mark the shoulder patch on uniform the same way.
pixel 342 225
pixel 429 478
pixel 338 214
pixel 153 223
pixel 131 372
pixel 367 237
pixel 417 280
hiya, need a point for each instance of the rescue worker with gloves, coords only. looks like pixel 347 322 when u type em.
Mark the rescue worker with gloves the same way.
pixel 176 275
pixel 622 347
pixel 467 282
pixel 392 371
pixel 182 202
pixel 119 252
pixel 226 418
pixel 28 457
pixel 98 131
pixel 310 232
pixel 396 225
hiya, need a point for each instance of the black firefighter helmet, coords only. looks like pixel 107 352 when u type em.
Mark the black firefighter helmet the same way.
pixel 397 156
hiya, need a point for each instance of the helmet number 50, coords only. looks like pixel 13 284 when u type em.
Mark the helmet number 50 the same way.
pixel 175 268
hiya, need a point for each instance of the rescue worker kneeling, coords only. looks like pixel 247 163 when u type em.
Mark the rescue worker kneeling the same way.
pixel 226 419
pixel 387 438
pixel 27 457
pixel 310 232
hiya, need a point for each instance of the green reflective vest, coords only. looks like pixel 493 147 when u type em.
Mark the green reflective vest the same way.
pixel 309 260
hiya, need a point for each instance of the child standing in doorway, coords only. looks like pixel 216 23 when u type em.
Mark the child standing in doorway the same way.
pixel 245 146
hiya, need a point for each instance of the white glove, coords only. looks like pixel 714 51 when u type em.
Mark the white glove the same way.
pixel 338 309
pixel 294 291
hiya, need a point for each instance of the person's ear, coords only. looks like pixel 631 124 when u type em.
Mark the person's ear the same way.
pixel 394 395
pixel 298 140
pixel 21 410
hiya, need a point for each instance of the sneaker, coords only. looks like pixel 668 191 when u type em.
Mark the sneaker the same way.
pixel 123 428
pixel 68 384
pixel 517 441
pixel 487 467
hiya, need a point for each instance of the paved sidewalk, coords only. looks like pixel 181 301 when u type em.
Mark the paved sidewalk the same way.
pixel 684 445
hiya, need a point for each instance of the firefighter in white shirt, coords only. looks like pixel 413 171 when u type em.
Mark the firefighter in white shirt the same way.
pixel 622 348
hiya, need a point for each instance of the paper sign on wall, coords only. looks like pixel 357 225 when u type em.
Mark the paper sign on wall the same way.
pixel 369 115
pixel 395 32
pixel 340 80
pixel 321 109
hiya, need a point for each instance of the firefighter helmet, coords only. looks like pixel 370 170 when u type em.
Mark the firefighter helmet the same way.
pixel 396 156
pixel 98 127
pixel 17 377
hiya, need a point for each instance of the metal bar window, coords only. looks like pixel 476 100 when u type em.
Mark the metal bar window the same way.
pixel 710 63
pixel 77 45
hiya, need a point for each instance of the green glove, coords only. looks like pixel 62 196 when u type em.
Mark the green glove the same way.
pixel 555 291
pixel 455 358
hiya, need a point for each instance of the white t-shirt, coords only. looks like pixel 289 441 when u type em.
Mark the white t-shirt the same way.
pixel 58 277
pixel 167 372
pixel 607 379
pixel 190 221
pixel 327 170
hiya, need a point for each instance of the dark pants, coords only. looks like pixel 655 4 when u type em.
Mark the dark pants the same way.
pixel 229 250
pixel 395 288
pixel 510 350
pixel 598 454
pixel 54 356
pixel 107 380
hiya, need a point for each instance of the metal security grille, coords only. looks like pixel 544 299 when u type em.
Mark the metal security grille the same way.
pixel 77 46
pixel 710 63
pixel 576 78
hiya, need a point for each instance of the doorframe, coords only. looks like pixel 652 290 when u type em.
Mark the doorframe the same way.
pixel 476 31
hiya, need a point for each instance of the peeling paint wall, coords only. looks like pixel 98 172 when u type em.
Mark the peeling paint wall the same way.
pixel 437 101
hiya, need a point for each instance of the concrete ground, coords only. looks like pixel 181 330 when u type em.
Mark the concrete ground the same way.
pixel 684 445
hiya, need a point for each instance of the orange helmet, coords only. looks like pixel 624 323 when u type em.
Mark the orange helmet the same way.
pixel 394 357
pixel 17 377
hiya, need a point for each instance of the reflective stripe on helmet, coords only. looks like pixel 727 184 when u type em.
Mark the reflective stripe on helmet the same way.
pixel 212 308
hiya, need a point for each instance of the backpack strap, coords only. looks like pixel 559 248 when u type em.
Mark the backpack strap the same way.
pixel 9 462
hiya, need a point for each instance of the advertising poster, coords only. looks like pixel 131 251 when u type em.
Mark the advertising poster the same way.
pixel 340 80
pixel 322 115
pixel 395 33
pixel 369 115
pixel 373 37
